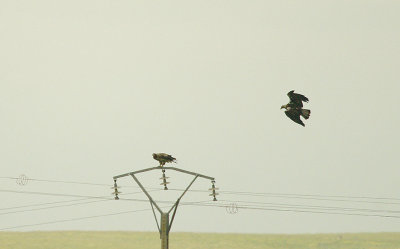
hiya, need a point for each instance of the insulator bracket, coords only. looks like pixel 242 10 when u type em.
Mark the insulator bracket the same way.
pixel 213 188
pixel 116 192
pixel 164 179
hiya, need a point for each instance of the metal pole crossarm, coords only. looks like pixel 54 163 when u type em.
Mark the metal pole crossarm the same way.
pixel 159 167
pixel 184 192
pixel 147 194
pixel 136 172
pixel 191 173
pixel 165 223
pixel 155 217
pixel 177 203
pixel 173 215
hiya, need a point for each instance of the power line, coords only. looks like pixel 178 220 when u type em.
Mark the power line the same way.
pixel 141 200
pixel 308 195
pixel 60 181
pixel 244 206
pixel 73 219
pixel 66 182
pixel 279 205
pixel 43 204
pixel 249 205
pixel 90 217
pixel 284 205
pixel 272 204
pixel 245 193
pixel 293 196
pixel 54 194
pixel 207 205
pixel 298 211
pixel 74 204
pixel 83 197
pixel 43 208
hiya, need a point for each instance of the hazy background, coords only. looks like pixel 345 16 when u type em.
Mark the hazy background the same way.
pixel 90 89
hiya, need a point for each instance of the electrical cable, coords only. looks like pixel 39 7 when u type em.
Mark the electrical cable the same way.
pixel 298 210
pixel 249 205
pixel 73 219
pixel 312 206
pixel 43 204
pixel 206 205
pixel 43 208
pixel 246 193
pixel 257 194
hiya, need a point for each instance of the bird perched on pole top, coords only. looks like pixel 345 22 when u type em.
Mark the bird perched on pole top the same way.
pixel 294 109
pixel 164 158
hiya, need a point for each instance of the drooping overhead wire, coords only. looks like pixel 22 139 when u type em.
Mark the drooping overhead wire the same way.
pixel 55 194
pixel 51 207
pixel 77 201
pixel 61 181
pixel 205 204
pixel 44 204
pixel 297 210
pixel 319 197
pixel 73 195
pixel 241 204
pixel 73 219
pixel 308 195
pixel 328 198
pixel 309 206
pixel 339 198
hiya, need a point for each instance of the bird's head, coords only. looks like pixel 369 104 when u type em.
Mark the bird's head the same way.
pixel 154 155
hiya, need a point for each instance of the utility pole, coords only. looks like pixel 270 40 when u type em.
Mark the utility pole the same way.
pixel 165 221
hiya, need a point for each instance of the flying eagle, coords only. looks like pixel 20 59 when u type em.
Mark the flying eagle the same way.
pixel 294 109
pixel 163 158
pixel 296 99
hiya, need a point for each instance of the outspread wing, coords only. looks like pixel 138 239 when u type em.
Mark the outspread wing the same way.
pixel 296 99
pixel 294 114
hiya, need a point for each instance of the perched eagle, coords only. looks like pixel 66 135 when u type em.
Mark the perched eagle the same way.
pixel 163 158
pixel 294 109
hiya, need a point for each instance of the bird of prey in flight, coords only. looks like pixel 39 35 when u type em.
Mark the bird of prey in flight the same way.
pixel 294 109
pixel 163 158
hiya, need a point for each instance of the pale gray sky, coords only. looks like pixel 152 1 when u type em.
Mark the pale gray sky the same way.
pixel 90 89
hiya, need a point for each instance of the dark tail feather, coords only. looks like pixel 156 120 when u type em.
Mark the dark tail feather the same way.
pixel 305 113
